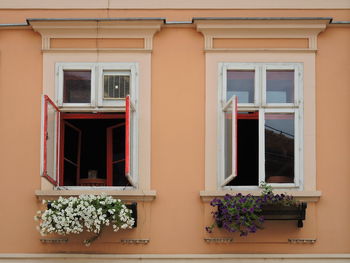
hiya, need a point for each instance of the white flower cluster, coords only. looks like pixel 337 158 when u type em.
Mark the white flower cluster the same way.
pixel 91 212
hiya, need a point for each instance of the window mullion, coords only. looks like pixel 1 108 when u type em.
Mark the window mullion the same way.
pixel 297 147
pixel 261 145
pixel 94 85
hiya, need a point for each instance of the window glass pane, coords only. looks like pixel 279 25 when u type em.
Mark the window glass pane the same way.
pixel 115 86
pixel 77 86
pixel 279 147
pixel 280 86
pixel 228 144
pixel 241 84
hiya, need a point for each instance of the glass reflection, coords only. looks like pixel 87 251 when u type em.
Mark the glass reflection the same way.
pixel 280 86
pixel 77 86
pixel 241 84
pixel 279 147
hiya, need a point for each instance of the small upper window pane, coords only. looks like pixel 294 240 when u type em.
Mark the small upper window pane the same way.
pixel 115 85
pixel 280 86
pixel 241 84
pixel 77 86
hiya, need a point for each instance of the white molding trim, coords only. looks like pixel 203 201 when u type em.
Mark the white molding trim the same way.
pixel 171 258
pixel 307 196
pixel 260 28
pixel 126 195
pixel 96 29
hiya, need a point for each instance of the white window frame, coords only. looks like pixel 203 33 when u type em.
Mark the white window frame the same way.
pixel 240 66
pixel 97 105
pixel 262 107
pixel 60 67
pixel 97 69
pixel 126 69
pixel 297 83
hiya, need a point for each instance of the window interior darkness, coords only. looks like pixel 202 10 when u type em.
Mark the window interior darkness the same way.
pixel 248 153
pixel 92 151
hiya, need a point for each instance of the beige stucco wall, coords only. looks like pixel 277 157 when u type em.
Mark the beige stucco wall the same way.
pixel 174 222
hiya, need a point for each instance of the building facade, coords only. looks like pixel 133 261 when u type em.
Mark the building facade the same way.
pixel 168 105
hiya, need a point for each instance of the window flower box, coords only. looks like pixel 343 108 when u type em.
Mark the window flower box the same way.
pixel 246 213
pixel 91 213
pixel 283 212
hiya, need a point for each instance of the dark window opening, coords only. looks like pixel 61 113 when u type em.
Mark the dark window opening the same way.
pixel 248 151
pixel 93 152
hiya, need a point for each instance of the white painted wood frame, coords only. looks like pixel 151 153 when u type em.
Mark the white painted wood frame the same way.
pixel 262 107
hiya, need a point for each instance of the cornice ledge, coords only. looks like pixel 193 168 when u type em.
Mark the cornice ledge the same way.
pixel 94 28
pixel 124 195
pixel 271 28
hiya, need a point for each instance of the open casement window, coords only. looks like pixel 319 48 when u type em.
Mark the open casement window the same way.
pixel 93 149
pixel 230 140
pixel 129 142
pixel 261 137
pixel 50 135
pixel 88 149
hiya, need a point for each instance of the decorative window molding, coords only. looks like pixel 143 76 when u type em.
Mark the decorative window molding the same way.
pixel 131 61
pixel 304 196
pixel 271 113
pixel 99 30
pixel 261 28
pixel 264 28
pixel 125 196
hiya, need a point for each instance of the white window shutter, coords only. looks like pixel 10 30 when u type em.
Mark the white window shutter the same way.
pixel 129 113
pixel 231 106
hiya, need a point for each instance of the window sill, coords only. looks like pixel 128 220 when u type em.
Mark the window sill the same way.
pixel 306 196
pixel 126 196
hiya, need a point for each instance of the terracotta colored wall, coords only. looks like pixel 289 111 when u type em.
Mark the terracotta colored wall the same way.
pixel 333 126
pixel 20 89
pixel 177 217
pixel 178 134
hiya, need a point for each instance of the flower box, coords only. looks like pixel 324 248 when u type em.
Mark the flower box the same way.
pixel 280 212
pixel 246 213
pixel 91 213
